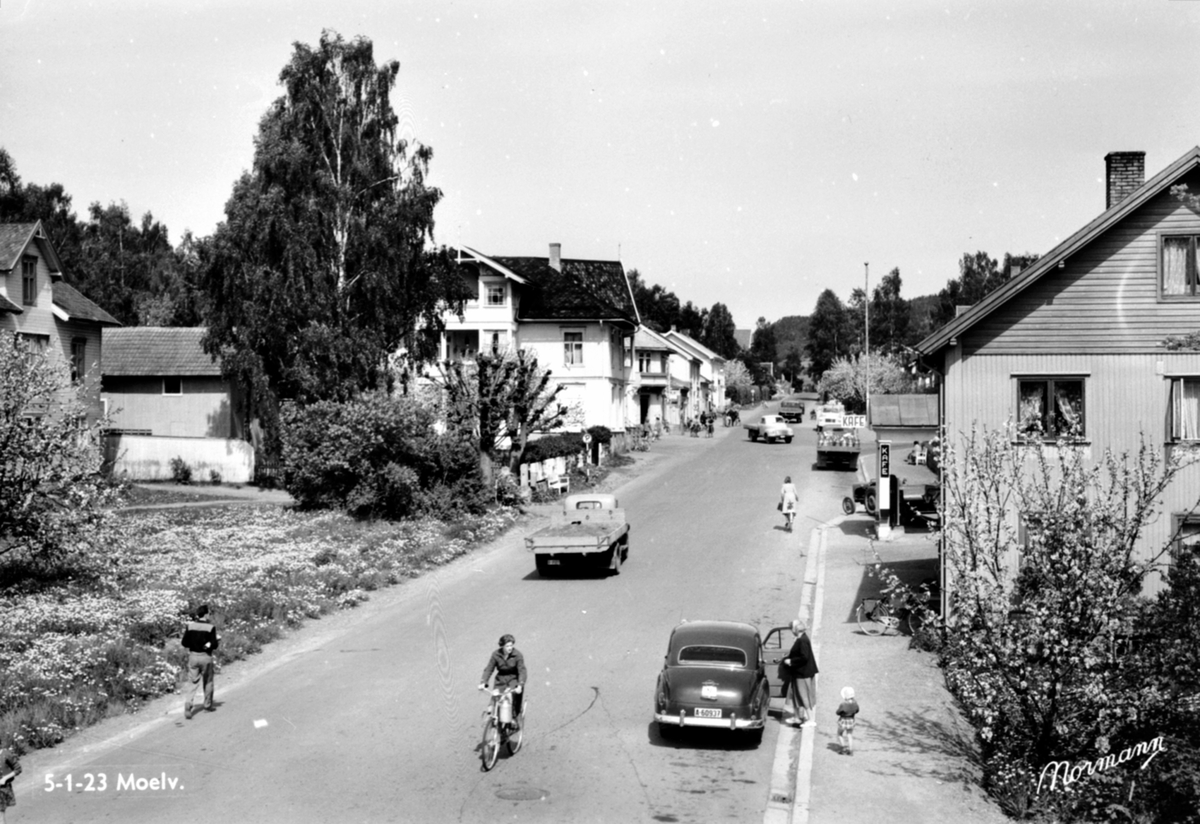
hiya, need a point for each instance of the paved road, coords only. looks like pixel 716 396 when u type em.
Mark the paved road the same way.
pixel 375 717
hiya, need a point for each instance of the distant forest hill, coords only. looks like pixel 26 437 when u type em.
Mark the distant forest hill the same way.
pixel 792 332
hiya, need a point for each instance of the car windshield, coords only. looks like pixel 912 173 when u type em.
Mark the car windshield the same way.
pixel 712 655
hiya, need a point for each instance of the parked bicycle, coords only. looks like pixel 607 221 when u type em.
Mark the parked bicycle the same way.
pixel 884 615
pixel 500 728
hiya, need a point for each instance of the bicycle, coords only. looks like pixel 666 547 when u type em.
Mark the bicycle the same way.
pixel 500 728
pixel 881 616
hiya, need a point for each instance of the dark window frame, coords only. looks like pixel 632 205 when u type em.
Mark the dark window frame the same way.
pixel 1192 264
pixel 1049 415
pixel 78 359
pixel 29 280
pixel 178 381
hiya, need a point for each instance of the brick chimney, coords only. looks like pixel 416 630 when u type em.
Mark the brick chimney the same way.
pixel 1126 172
pixel 556 256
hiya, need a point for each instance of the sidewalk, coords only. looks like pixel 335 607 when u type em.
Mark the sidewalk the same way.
pixel 913 754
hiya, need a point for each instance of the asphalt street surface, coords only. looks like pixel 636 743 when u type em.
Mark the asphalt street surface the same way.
pixel 374 715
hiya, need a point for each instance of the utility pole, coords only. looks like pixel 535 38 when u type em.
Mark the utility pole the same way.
pixel 867 335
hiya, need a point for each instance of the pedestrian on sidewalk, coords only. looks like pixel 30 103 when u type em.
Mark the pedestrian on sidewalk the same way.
pixel 200 640
pixel 799 671
pixel 10 768
pixel 846 712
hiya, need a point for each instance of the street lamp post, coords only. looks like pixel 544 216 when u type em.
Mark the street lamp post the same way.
pixel 867 336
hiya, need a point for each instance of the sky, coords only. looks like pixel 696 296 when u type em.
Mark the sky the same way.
pixel 748 153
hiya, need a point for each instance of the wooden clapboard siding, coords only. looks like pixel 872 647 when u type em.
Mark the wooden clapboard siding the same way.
pixel 1126 404
pixel 203 410
pixel 1104 299
pixel 39 318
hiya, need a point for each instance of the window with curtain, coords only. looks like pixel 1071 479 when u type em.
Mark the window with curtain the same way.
pixel 1185 409
pixel 1050 408
pixel 573 348
pixel 1179 266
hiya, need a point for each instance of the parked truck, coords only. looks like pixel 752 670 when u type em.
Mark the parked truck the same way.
pixel 589 532
pixel 839 446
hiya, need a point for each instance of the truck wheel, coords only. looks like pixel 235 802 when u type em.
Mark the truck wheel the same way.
pixel 614 559
pixel 543 565
pixel 848 505
pixel 871 502
pixel 787 440
pixel 753 435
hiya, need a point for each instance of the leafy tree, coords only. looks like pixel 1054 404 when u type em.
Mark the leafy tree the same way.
pixel 846 380
pixel 503 397
pixel 1033 651
pixel 890 318
pixel 738 380
pixel 121 263
pixel 658 307
pixel 763 354
pixel 52 497
pixel 719 330
pixel 692 321
pixel 793 366
pixel 320 271
pixel 828 335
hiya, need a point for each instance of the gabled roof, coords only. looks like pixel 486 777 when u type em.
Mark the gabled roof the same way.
pixel 693 345
pixel 904 411
pixel 647 339
pixel 156 350
pixel 1048 263
pixel 75 306
pixel 16 237
pixel 582 290
pixel 7 305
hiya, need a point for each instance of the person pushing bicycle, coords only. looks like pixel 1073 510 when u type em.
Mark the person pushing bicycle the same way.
pixel 509 666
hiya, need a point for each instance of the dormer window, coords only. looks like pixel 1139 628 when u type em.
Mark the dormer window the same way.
pixel 495 294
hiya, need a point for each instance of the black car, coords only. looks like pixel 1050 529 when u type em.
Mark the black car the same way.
pixel 715 675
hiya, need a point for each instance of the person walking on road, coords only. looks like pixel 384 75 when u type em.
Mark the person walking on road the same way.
pixel 788 498
pixel 10 768
pixel 845 713
pixel 200 640
pixel 799 674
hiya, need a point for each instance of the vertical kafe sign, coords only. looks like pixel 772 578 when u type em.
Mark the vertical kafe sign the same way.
pixel 883 489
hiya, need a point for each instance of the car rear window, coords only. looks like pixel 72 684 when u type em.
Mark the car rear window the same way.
pixel 712 655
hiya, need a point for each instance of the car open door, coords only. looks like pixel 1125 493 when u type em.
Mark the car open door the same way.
pixel 775 646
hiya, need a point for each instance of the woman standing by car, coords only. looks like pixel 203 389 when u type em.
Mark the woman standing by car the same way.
pixel 799 674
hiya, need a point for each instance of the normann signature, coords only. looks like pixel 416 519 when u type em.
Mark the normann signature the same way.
pixel 1070 773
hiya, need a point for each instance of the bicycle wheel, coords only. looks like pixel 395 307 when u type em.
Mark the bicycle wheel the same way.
pixel 490 749
pixel 517 736
pixel 916 619
pixel 876 620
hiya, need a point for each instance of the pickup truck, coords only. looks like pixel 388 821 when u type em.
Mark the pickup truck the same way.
pixel 590 531
pixel 837 445
pixel 770 428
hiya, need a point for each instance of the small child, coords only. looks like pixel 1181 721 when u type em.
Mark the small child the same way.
pixel 846 712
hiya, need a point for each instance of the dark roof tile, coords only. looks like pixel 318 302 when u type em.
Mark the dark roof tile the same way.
pixel 71 301
pixel 583 290
pixel 156 350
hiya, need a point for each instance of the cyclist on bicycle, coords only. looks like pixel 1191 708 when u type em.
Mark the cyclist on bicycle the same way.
pixel 788 498
pixel 509 666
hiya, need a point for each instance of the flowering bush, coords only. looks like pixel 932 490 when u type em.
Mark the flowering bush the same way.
pixel 75 653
